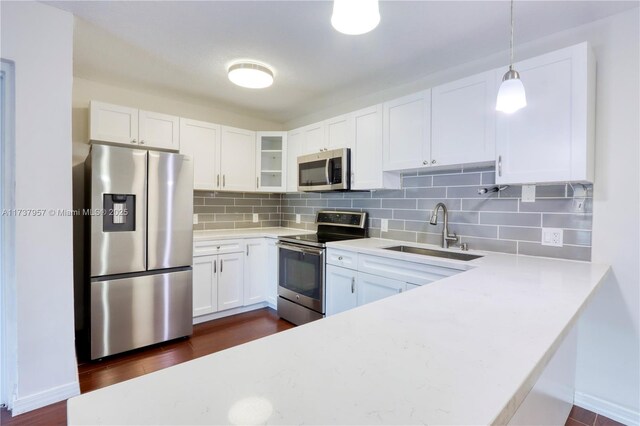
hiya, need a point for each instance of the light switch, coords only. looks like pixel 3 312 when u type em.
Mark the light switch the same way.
pixel 552 237
pixel 255 217
pixel 298 219
pixel 195 218
pixel 384 225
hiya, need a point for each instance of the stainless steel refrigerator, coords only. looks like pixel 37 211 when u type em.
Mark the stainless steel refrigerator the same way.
pixel 141 243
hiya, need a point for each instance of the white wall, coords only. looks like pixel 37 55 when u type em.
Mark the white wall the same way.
pixel 608 370
pixel 39 40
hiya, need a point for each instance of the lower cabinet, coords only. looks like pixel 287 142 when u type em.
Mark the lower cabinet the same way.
pixel 373 287
pixel 255 271
pixel 217 282
pixel 341 289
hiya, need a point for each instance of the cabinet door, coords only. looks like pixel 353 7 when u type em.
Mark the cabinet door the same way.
pixel 271 158
pixel 551 139
pixel 159 130
pixel 463 120
pixel 272 272
pixel 230 280
pixel 238 159
pixel 366 154
pixel 407 132
pixel 314 139
pixel 338 133
pixel 341 289
pixel 373 287
pixel 205 292
pixel 113 123
pixel 255 271
pixel 295 142
pixel 201 141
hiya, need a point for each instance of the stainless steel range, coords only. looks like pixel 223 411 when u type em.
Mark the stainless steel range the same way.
pixel 301 264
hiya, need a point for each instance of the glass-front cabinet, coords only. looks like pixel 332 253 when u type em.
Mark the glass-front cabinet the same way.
pixel 271 156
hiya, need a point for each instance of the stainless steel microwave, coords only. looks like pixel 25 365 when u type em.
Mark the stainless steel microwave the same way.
pixel 325 171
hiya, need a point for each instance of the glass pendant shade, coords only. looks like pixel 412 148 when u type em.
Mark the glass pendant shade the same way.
pixel 511 95
pixel 354 17
pixel 251 75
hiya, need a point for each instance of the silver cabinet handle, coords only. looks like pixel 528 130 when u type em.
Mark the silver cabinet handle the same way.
pixel 353 285
pixel 224 181
pixel 134 141
pixel 257 182
pixel 218 181
pixel 433 161
pixel 247 249
pixel 499 165
pixel 221 264
pixel 339 257
pixel 215 266
pixel 399 290
pixel 425 162
pixel 141 142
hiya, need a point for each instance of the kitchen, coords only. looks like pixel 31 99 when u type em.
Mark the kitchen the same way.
pixel 406 191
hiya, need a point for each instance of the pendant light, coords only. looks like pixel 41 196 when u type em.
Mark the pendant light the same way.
pixel 250 74
pixel 355 17
pixel 511 95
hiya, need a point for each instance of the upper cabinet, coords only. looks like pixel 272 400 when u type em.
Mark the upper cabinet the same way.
pixel 295 148
pixel 123 125
pixel 271 161
pixel 552 138
pixel 313 137
pixel 463 120
pixel 407 132
pixel 238 159
pixel 201 141
pixel 366 151
pixel 338 132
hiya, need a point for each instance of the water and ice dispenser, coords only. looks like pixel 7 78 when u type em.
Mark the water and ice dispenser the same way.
pixel 119 212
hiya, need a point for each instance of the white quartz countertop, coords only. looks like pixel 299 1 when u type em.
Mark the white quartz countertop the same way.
pixel 226 234
pixel 462 350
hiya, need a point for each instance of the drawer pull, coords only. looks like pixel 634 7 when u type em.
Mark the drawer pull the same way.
pixel 339 257
pixel 353 285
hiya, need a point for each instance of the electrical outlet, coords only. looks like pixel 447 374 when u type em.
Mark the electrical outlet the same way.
pixel 552 237
pixel 384 225
pixel 528 193
pixel 298 218
pixel 195 218
pixel 255 217
pixel 578 205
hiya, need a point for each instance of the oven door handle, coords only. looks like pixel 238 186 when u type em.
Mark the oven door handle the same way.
pixel 316 252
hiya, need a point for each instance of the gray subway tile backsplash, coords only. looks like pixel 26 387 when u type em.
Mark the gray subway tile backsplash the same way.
pixel 493 222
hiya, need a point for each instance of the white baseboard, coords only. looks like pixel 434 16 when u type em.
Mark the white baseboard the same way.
pixel 229 312
pixel 607 409
pixel 50 396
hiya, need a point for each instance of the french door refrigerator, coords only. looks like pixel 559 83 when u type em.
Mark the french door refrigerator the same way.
pixel 141 243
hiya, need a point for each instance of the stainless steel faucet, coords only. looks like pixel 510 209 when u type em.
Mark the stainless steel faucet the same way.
pixel 446 237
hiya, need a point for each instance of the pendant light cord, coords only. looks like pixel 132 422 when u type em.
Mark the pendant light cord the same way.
pixel 511 42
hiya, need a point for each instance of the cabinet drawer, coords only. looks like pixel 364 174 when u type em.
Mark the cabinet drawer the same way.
pixel 202 248
pixel 410 272
pixel 345 259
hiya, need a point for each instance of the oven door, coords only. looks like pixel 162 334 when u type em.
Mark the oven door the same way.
pixel 301 275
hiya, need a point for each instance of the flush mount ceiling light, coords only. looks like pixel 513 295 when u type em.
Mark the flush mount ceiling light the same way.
pixel 252 75
pixel 355 17
pixel 511 95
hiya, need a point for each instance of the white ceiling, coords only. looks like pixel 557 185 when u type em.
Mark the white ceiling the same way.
pixel 185 47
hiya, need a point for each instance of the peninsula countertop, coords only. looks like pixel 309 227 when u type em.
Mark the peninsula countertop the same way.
pixel 462 350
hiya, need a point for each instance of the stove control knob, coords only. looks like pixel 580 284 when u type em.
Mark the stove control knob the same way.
pixel 298 296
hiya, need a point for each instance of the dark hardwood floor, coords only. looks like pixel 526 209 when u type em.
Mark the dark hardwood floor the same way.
pixel 207 338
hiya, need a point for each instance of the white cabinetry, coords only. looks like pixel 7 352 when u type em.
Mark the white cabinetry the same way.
pixel 551 139
pixel 366 152
pixel 129 126
pixel 238 159
pixel 218 276
pixel 374 287
pixel 255 271
pixel 463 120
pixel 341 289
pixel 201 141
pixel 338 132
pixel 313 137
pixel 271 159
pixel 230 280
pixel 205 289
pixel 407 132
pixel 295 148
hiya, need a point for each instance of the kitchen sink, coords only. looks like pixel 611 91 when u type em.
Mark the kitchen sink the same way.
pixel 435 253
